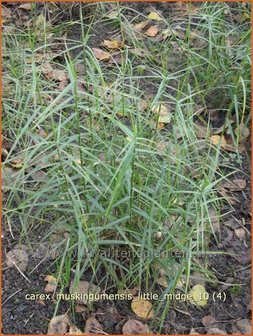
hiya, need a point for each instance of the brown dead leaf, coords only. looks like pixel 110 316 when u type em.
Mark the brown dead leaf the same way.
pixel 80 308
pixel 214 218
pixel 17 163
pixel 162 146
pixel 6 13
pixel 234 185
pixel 84 287
pixel 218 140
pixel 240 233
pixel 109 314
pixel 233 223
pixel 17 257
pixel 113 14
pixel 219 130
pixel 59 325
pixel 162 281
pixel 92 326
pixel 40 20
pixel 154 16
pixel 160 125
pixel 101 55
pixel 152 31
pixel 61 76
pixel 42 132
pixel 134 327
pixel 73 330
pixel 26 5
pixel 141 25
pixel 112 44
pixel 215 331
pixel 140 52
pixel 41 302
pixel 231 147
pixel 117 59
pixel 62 85
pixel 164 113
pixel 54 74
pixel 182 8
pixel 80 69
pixel 198 294
pixel 10 177
pixel 208 321
pixel 201 131
pixel 197 40
pixel 51 284
pixel 228 197
pixel 143 105
pixel 130 291
pixel 242 132
pixel 142 308
pixel 244 326
pixel 193 332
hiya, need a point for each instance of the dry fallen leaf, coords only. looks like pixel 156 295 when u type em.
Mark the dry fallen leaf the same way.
pixel 84 287
pixel 6 13
pixel 232 147
pixel 112 14
pixel 152 31
pixel 17 257
pixel 59 325
pixel 162 281
pixel 162 146
pixel 201 131
pixel 92 326
pixel 218 140
pixel 240 233
pixel 198 293
pixel 160 125
pixel 80 308
pixel 163 112
pixel 140 52
pixel 51 284
pixel 130 291
pixel 215 331
pixel 235 185
pixel 10 177
pixel 228 197
pixel 193 332
pixel 101 55
pixel 112 44
pixel 143 105
pixel 73 330
pixel 109 314
pixel 243 132
pixel 208 321
pixel 244 326
pixel 197 40
pixel 141 25
pixel 26 5
pixel 142 308
pixel 42 133
pixel 40 20
pixel 17 163
pixel 214 219
pixel 154 16
pixel 134 327
pixel 50 73
pixel 185 9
